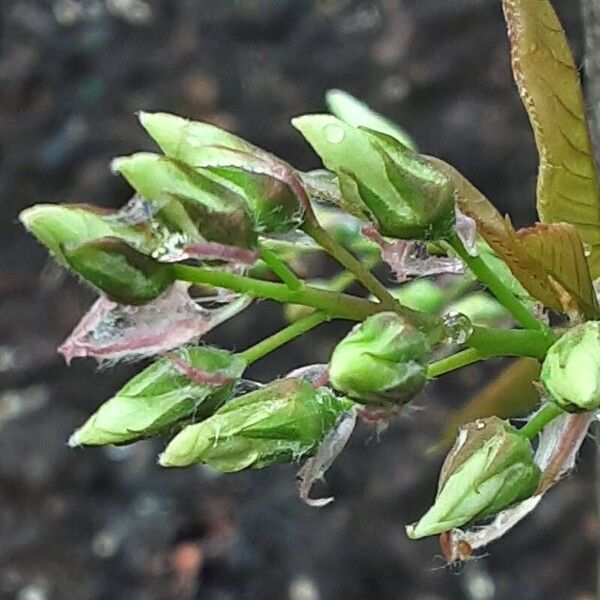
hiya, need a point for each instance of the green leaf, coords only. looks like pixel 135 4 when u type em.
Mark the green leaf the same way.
pixel 161 396
pixel 548 82
pixel 358 114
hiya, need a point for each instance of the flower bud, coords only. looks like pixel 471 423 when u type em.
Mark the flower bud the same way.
pixel 57 225
pixel 420 294
pixel 382 360
pixel 195 382
pixel 121 272
pixel 237 163
pixel 383 180
pixel 571 369
pixel 490 468
pixel 481 309
pixel 358 114
pixel 279 422
pixel 219 213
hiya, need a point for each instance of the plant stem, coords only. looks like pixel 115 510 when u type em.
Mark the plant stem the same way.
pixel 280 269
pixel 282 337
pixel 349 262
pixel 487 342
pixel 332 303
pixel 487 277
pixel 541 418
pixel 509 342
pixel 453 362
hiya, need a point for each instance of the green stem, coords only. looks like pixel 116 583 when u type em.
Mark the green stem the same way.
pixel 543 416
pixel 282 337
pixel 332 303
pixel 489 342
pixel 349 262
pixel 453 362
pixel 487 277
pixel 280 269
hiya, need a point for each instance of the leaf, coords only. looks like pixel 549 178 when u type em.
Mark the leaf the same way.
pixel 500 235
pixel 559 249
pixel 549 86
pixel 510 394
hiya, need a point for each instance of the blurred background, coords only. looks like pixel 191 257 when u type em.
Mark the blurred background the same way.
pixel 110 524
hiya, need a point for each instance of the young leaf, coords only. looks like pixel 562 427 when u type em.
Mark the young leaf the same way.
pixel 559 249
pixel 548 82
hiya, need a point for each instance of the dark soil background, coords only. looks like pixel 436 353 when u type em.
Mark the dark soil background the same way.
pixel 110 524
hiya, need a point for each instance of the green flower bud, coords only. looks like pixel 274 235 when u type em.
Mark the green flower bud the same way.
pixel 383 180
pixel 481 309
pixel 58 225
pixel 237 163
pixel 121 272
pixel 358 114
pixel 162 395
pixel 217 211
pixel 421 294
pixel 383 359
pixel 571 370
pixel 490 468
pixel 280 422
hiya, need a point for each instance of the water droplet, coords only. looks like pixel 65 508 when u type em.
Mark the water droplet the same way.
pixel 587 249
pixel 334 134
pixel 479 424
pixel 457 328
pixel 533 48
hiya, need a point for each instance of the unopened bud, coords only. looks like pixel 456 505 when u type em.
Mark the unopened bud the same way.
pixel 490 468
pixel 382 360
pixel 390 184
pixel 279 422
pixel 193 382
pixel 119 271
pixel 571 369
pixel 58 225
pixel 250 171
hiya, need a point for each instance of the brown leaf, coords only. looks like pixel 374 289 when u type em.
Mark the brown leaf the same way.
pixel 559 250
pixel 549 86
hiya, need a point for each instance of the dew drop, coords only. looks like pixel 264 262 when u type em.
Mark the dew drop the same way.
pixel 587 249
pixel 334 134
pixel 457 328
